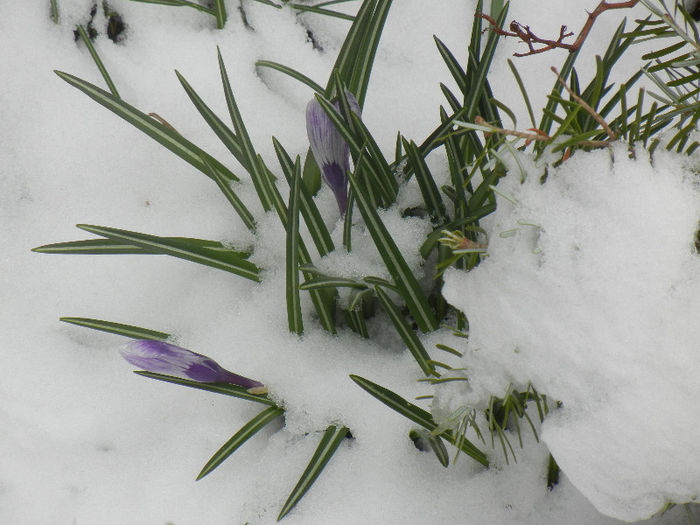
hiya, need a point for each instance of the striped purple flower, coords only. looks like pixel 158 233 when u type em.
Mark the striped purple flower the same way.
pixel 164 358
pixel 330 150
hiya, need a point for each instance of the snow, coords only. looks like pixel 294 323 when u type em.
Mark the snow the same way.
pixel 587 292
pixel 86 441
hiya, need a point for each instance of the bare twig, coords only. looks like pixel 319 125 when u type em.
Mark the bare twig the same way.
pixel 529 137
pixel 531 39
pixel 588 108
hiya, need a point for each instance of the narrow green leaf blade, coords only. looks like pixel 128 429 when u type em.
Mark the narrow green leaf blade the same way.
pixel 229 262
pixel 294 318
pixel 217 388
pixel 408 336
pixel 417 415
pixel 292 73
pixel 331 282
pixel 162 134
pixel 312 217
pixel 331 440
pixel 91 247
pixel 251 163
pixel 428 188
pixel 452 64
pixel 125 330
pixel 396 402
pixel 411 291
pixel 227 137
pixel 98 61
pixel 239 438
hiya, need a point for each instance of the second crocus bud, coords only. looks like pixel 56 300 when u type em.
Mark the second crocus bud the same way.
pixel 329 149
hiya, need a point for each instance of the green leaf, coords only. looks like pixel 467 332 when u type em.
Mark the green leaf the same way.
pixel 321 11
pixel 98 62
pixel 356 56
pixel 227 137
pixel 435 443
pixel 111 247
pixel 54 11
pixel 239 438
pixel 407 334
pixel 453 65
pixel 126 330
pixel 523 91
pixel 178 3
pixel 92 247
pixel 217 388
pixel 477 87
pixel 418 415
pixel 312 217
pixel 234 200
pixel 331 440
pixel 219 13
pixel 294 319
pixel 404 279
pixel 292 73
pixel 251 163
pixel 331 282
pixel 189 251
pixel 162 134
pixel 428 188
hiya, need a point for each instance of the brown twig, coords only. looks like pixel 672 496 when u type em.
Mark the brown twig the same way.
pixel 600 120
pixel 529 137
pixel 531 39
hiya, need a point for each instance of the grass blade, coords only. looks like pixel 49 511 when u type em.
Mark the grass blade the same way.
pixel 332 282
pixel 250 159
pixel 312 217
pixel 321 11
pixel 229 262
pixel 54 11
pixel 227 137
pixel 98 61
pixel 428 188
pixel 408 336
pixel 453 65
pixel 162 134
pixel 225 187
pixel 239 438
pixel 125 330
pixel 292 73
pixel 219 13
pixel 111 246
pixel 356 57
pixel 417 415
pixel 411 291
pixel 331 440
pixel 294 319
pixel 179 3
pixel 217 388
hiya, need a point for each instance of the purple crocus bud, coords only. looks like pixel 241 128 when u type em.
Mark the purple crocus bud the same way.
pixel 330 150
pixel 164 358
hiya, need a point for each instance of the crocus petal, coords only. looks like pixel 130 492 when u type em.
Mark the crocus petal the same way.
pixel 329 149
pixel 165 358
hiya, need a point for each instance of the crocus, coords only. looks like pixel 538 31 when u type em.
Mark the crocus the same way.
pixel 330 150
pixel 164 358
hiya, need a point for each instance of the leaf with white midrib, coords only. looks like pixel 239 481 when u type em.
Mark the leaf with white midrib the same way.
pixel 404 279
pixel 239 438
pixel 331 440
pixel 222 261
pixel 165 136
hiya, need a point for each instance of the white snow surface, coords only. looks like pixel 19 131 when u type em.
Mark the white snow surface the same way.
pixel 588 292
pixel 598 294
